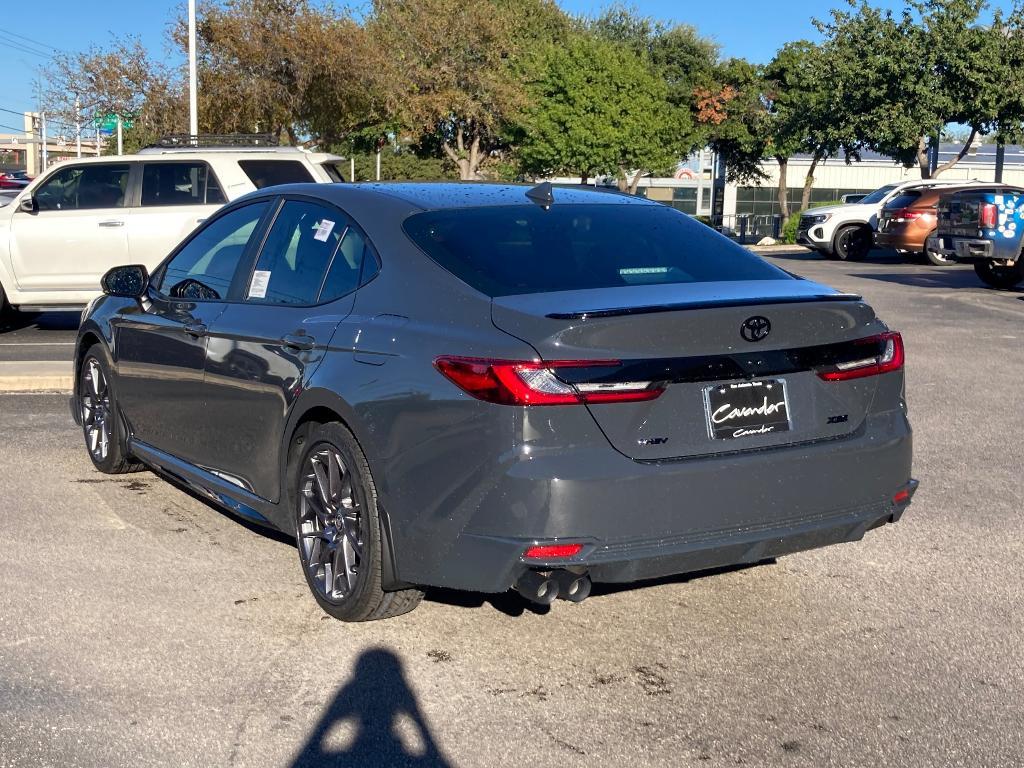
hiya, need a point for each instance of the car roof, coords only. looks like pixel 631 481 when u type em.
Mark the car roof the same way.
pixel 149 156
pixel 442 195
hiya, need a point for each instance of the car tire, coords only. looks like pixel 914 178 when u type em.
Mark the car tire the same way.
pixel 102 426
pixel 5 308
pixel 998 275
pixel 338 530
pixel 934 257
pixel 852 243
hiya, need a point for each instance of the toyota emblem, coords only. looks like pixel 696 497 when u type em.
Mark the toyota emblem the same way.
pixel 755 328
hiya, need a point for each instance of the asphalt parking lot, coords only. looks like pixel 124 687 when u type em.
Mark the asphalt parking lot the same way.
pixel 139 626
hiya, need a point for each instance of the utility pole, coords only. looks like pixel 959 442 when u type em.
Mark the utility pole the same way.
pixel 98 152
pixel 42 135
pixel 1000 159
pixel 193 102
pixel 78 128
pixel 120 137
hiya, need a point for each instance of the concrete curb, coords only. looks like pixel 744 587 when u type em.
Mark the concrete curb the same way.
pixel 36 376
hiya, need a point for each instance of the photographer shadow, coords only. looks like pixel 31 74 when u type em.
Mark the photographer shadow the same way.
pixel 376 718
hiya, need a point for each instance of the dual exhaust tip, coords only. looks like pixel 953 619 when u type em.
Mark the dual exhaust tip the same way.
pixel 544 589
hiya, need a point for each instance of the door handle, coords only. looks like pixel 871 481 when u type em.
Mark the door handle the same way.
pixel 298 341
pixel 112 223
pixel 195 329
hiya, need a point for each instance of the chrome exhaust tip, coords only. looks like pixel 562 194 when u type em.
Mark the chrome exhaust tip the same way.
pixel 537 588
pixel 574 587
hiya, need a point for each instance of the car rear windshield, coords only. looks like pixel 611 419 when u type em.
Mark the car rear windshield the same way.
pixel 507 250
pixel 904 200
pixel 269 173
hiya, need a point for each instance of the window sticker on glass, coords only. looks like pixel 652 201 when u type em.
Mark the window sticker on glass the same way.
pixel 258 286
pixel 323 231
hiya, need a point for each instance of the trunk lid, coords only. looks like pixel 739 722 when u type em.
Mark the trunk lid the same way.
pixel 688 338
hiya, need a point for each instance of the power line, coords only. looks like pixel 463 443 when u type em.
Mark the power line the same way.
pixel 23 49
pixel 29 39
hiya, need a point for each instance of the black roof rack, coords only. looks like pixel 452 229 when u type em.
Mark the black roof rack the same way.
pixel 212 140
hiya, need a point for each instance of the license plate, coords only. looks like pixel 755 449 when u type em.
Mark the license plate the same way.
pixel 747 409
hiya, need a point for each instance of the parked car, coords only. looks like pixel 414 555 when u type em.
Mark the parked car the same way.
pixel 853 197
pixel 846 232
pixel 482 387
pixel 983 228
pixel 7 196
pixel 85 216
pixel 909 219
pixel 14 180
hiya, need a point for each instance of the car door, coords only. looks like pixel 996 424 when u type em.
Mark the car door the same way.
pixel 160 346
pixel 175 196
pixel 77 231
pixel 264 349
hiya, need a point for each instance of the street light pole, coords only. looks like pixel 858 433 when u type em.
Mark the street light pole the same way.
pixel 193 108
pixel 120 136
pixel 42 135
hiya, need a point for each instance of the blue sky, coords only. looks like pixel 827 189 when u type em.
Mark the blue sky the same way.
pixel 753 29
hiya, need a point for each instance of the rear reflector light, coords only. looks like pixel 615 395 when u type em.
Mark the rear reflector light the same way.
pixel 902 497
pixel 890 358
pixel 533 382
pixel 552 551
pixel 988 217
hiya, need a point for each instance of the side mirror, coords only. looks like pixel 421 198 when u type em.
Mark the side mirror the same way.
pixel 28 205
pixel 128 282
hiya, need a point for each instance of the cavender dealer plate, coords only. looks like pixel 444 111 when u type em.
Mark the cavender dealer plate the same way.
pixel 746 409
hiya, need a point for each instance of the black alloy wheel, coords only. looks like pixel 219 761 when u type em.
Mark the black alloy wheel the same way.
pixel 101 421
pixel 852 243
pixel 338 529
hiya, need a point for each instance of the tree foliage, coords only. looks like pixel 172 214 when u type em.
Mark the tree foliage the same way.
pixel 596 108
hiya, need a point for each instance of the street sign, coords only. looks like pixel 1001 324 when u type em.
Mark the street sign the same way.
pixel 108 123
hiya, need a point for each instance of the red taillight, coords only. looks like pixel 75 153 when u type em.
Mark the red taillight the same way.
pixel 552 551
pixel 988 217
pixel 906 214
pixel 889 359
pixel 902 497
pixel 533 382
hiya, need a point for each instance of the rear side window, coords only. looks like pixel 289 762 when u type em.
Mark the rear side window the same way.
pixel 268 173
pixel 297 253
pixel 180 184
pixel 903 200
pixel 506 250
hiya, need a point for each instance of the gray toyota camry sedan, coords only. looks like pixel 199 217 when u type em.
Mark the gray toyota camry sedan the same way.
pixel 486 387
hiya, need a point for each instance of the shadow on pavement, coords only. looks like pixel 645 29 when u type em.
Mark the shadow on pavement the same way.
pixel 941 277
pixel 44 321
pixel 374 721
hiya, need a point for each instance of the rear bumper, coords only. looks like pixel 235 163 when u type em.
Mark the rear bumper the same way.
pixel 899 242
pixel 963 248
pixel 646 520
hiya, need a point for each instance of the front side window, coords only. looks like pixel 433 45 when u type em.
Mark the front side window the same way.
pixel 84 187
pixel 204 268
pixel 517 249
pixel 269 173
pixel 166 184
pixel 297 253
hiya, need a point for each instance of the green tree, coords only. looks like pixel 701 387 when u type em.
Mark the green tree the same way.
pixel 597 108
pixel 803 115
pixel 456 75
pixel 902 78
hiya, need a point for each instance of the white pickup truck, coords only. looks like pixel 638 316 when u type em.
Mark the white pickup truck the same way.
pixel 65 230
pixel 846 232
